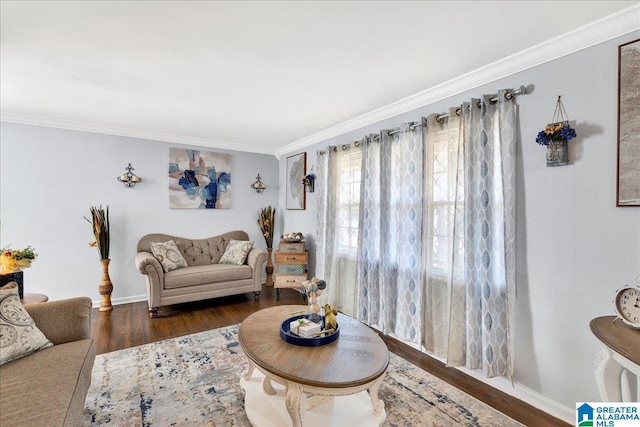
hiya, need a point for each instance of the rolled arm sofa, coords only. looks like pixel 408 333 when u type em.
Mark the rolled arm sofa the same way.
pixel 203 277
pixel 49 387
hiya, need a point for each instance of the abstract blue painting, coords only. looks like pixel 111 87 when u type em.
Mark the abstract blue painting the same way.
pixel 199 179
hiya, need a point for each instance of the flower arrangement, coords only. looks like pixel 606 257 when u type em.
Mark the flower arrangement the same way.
pixel 309 182
pixel 266 221
pixel 556 132
pixel 308 179
pixel 314 288
pixel 12 260
pixel 100 222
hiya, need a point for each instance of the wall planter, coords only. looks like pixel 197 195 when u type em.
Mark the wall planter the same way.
pixel 555 137
pixel 558 151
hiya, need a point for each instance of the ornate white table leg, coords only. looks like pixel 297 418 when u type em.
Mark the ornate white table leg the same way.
pixel 608 373
pixel 296 403
pixel 376 402
pixel 267 387
pixel 316 400
pixel 247 375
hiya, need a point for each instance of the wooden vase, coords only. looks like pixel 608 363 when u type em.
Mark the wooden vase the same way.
pixel 105 287
pixel 269 268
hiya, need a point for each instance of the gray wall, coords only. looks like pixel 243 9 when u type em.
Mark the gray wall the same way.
pixel 50 178
pixel 574 247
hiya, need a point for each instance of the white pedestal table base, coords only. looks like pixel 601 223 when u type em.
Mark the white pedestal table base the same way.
pixel 264 410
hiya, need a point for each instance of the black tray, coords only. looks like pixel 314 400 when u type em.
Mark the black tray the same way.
pixel 291 338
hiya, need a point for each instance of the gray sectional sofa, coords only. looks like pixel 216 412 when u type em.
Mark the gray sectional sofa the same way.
pixel 49 387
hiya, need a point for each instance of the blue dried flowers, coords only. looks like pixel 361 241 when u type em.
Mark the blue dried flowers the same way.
pixel 555 132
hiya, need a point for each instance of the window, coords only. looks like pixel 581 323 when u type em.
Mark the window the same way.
pixel 442 189
pixel 349 177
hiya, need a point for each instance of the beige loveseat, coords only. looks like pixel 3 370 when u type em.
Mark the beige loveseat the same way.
pixel 49 387
pixel 204 277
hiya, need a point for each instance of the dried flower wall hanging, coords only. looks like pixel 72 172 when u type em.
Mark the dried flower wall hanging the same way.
pixel 555 136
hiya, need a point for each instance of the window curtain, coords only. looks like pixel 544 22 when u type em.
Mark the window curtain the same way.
pixel 433 262
pixel 390 260
pixel 338 199
pixel 469 297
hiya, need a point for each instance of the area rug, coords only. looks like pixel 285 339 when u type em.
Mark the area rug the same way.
pixel 194 381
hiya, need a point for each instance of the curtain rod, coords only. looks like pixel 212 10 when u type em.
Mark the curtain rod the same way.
pixel 521 91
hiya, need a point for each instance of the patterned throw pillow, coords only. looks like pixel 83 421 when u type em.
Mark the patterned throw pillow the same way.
pixel 236 252
pixel 168 255
pixel 19 335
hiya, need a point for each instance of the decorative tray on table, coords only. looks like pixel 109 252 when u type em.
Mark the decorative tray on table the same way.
pixel 322 339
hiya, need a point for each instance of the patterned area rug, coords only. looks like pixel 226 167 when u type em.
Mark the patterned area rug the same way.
pixel 194 381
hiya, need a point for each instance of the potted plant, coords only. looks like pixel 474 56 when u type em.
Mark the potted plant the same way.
pixel 266 221
pixel 101 231
pixel 12 261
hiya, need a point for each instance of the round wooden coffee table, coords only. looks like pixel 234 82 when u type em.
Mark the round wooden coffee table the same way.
pixel 307 378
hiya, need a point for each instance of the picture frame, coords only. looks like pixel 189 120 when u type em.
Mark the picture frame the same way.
pixel 296 169
pixel 628 170
pixel 199 179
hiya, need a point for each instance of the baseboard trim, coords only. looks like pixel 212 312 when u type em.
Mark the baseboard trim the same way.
pixel 124 300
pixel 524 393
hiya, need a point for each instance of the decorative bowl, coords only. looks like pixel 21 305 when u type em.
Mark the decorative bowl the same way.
pixel 293 240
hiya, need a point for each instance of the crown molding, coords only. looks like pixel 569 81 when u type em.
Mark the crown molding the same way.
pixel 130 133
pixel 602 30
pixel 607 28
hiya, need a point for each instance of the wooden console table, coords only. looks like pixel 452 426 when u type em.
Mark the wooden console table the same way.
pixel 621 351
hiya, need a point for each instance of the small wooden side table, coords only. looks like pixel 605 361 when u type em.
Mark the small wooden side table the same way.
pixel 33 298
pixel 621 351
pixel 291 259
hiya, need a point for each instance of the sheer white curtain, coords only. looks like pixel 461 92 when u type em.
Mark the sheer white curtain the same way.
pixel 443 235
pixel 470 256
pixel 338 204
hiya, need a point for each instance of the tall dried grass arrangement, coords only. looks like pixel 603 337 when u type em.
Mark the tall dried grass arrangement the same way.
pixel 266 220
pixel 100 222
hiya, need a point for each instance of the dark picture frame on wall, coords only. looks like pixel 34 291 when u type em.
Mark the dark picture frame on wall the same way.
pixel 296 170
pixel 628 184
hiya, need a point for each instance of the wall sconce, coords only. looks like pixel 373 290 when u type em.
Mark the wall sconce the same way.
pixel 259 186
pixel 129 179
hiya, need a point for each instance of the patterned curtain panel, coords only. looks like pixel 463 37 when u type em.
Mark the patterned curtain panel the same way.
pixel 416 233
pixel 391 261
pixel 470 279
pixel 490 180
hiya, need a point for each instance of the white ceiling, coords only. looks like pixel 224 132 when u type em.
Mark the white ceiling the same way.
pixel 252 76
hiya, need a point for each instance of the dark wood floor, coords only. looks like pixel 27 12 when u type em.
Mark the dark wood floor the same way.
pixel 129 325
